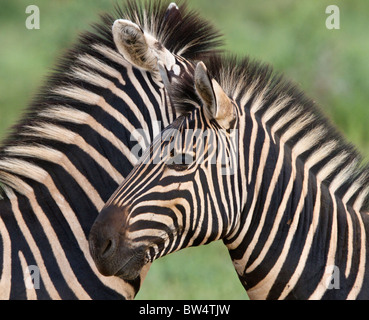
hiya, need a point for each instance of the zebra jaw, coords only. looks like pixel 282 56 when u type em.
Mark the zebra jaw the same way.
pixel 131 267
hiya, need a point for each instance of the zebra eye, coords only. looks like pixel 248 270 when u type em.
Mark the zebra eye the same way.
pixel 179 161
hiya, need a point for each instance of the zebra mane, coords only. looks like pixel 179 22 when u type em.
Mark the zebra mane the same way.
pixel 291 118
pixel 188 35
pixel 94 53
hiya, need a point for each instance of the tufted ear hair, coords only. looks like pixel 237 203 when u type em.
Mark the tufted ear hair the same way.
pixel 217 104
pixel 139 48
pixel 132 43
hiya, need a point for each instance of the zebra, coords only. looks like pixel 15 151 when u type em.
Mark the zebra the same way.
pixel 267 174
pixel 73 147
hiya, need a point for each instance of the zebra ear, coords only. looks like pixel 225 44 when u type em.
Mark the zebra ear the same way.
pixel 217 104
pixel 173 12
pixel 132 43
pixel 140 48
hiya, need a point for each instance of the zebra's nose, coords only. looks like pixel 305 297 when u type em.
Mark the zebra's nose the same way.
pixel 102 244
pixel 108 248
pixel 104 239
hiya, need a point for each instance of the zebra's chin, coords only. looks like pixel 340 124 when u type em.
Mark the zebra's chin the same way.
pixel 131 268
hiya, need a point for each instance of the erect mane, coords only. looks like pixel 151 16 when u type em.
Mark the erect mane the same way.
pixel 188 35
pixel 286 111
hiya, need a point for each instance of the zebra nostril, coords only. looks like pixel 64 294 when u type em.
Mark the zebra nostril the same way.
pixel 108 249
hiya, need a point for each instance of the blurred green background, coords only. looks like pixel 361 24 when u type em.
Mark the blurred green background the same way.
pixel 331 66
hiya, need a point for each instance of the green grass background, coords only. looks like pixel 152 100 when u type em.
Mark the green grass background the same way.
pixel 331 66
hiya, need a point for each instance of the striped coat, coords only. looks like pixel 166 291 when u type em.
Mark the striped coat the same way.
pixel 291 203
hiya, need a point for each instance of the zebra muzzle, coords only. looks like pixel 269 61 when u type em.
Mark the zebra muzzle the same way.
pixel 132 265
pixel 112 253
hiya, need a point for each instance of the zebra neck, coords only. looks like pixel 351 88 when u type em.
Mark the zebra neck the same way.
pixel 296 236
pixel 58 169
pixel 95 127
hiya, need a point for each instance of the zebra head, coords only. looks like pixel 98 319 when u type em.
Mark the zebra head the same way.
pixel 178 195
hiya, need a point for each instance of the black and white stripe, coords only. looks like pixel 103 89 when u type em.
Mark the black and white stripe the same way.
pixel 74 146
pixel 293 214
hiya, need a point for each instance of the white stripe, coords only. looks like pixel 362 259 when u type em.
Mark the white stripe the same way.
pixel 51 236
pixel 360 199
pixel 322 286
pixel 57 157
pixel 112 55
pixel 6 275
pixel 30 292
pixel 271 188
pixel 303 145
pixel 100 81
pixel 70 278
pixel 49 286
pixel 276 224
pixel 147 102
pixel 313 159
pixel 98 65
pixel 362 264
pixel 198 221
pixel 258 183
pixel 75 116
pixel 322 175
pixel 58 133
pixel 305 252
pixel 91 98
